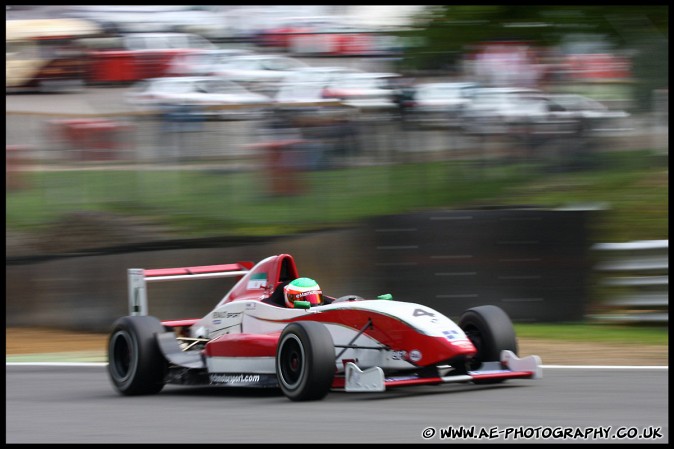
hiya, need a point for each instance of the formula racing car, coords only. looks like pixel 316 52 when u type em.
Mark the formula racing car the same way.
pixel 252 339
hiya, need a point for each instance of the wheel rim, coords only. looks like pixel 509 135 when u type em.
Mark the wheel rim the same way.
pixel 292 362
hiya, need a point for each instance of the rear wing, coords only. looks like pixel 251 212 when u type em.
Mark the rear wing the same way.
pixel 139 277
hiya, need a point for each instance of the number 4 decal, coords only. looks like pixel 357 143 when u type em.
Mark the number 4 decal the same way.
pixel 421 312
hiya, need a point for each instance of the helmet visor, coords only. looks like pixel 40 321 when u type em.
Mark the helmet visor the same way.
pixel 314 297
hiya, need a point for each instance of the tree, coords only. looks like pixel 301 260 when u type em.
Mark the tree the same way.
pixel 444 33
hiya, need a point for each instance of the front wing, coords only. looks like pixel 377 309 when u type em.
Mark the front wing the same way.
pixel 373 379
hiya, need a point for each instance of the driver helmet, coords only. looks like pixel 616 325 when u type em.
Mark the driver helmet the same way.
pixel 303 289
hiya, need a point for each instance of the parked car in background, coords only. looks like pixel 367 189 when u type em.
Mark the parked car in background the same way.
pixel 258 72
pixel 307 84
pixel 440 103
pixel 46 54
pixel 203 62
pixel 366 91
pixel 166 41
pixel 501 109
pixel 582 106
pixel 588 115
pixel 205 96
pixel 135 56
pixel 519 109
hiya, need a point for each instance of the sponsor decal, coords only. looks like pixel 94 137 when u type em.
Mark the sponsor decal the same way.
pixel 234 378
pixel 251 305
pixel 451 335
pixel 243 380
pixel 415 355
pixel 226 314
pixel 303 294
pixel 217 321
pixel 257 280
pixel 399 355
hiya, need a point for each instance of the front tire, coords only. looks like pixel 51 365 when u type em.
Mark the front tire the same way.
pixel 305 361
pixel 490 330
pixel 136 365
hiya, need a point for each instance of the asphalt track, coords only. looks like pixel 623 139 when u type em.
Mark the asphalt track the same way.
pixel 75 403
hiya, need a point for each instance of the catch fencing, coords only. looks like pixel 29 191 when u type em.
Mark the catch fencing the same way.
pixel 175 135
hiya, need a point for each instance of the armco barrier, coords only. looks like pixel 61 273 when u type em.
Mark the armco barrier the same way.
pixel 635 275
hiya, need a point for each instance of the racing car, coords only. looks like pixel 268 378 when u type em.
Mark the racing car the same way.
pixel 350 343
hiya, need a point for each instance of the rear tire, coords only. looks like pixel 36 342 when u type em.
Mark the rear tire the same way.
pixel 305 361
pixel 136 365
pixel 490 330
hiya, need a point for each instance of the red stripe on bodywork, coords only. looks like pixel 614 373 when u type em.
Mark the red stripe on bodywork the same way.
pixel 504 375
pixel 396 334
pixel 243 345
pixel 180 323
pixel 195 270
pixel 411 382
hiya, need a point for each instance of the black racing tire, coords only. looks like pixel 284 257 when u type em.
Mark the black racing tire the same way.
pixel 305 361
pixel 490 330
pixel 136 365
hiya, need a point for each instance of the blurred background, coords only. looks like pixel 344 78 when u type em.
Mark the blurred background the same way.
pixel 504 154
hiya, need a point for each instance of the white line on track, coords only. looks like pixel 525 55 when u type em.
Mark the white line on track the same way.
pixel 542 366
pixel 603 367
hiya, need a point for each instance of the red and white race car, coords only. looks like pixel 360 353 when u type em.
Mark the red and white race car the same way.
pixel 251 339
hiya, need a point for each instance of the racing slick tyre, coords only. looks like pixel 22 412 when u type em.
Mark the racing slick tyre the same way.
pixel 136 365
pixel 305 361
pixel 490 330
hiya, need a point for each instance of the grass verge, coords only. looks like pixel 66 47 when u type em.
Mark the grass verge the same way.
pixel 632 187
pixel 599 332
